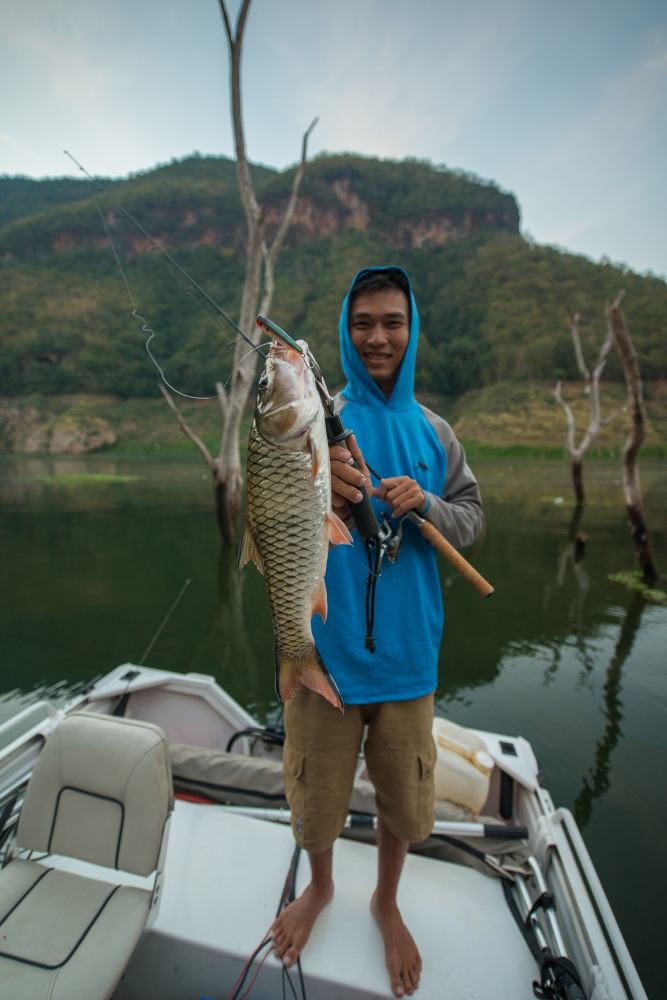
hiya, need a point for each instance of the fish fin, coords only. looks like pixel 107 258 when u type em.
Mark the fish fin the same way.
pixel 316 463
pixel 248 550
pixel 338 531
pixel 309 671
pixel 319 602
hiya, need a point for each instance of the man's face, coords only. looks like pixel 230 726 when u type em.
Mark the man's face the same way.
pixel 380 330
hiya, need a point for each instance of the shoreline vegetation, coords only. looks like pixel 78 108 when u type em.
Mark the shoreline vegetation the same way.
pixel 506 419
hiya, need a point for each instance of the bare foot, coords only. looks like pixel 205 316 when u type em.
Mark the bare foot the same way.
pixel 291 928
pixel 401 954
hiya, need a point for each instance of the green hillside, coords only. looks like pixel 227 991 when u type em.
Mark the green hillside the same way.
pixel 494 306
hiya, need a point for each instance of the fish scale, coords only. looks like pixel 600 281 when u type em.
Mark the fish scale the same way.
pixel 289 523
pixel 286 513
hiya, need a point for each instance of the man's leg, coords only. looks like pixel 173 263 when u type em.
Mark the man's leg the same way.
pixel 400 754
pixel 291 928
pixel 319 760
pixel 401 953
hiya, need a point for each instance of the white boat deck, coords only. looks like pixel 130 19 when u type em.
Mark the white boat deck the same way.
pixel 224 877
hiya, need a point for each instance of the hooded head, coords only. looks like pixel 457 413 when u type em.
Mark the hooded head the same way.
pixel 379 330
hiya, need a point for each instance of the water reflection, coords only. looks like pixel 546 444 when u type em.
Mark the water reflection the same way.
pixel 598 781
pixel 559 654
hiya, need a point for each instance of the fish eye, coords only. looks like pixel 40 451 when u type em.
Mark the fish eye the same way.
pixel 263 381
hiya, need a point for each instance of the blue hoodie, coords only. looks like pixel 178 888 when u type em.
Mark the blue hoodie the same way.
pixel 396 439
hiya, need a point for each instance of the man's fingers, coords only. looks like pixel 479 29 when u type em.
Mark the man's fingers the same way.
pixel 403 494
pixel 346 482
pixel 339 453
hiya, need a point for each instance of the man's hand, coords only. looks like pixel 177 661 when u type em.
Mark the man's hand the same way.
pixel 401 493
pixel 345 479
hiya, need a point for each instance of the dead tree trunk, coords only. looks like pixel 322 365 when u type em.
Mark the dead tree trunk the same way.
pixel 634 503
pixel 592 388
pixel 259 276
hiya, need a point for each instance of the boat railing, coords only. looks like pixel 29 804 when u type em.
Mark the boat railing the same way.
pixel 21 723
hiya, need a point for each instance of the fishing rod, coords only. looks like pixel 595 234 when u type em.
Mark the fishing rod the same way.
pixel 180 271
pixel 165 253
pixel 379 536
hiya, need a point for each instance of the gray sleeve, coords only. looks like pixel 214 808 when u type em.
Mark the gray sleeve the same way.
pixel 458 513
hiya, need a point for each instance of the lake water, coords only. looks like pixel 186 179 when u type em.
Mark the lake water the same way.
pixel 96 550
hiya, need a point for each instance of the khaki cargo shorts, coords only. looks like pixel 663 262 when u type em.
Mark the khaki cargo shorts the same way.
pixel 321 755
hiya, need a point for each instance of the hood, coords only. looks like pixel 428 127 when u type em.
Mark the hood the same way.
pixel 361 387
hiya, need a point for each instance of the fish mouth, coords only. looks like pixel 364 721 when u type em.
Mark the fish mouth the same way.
pixel 279 409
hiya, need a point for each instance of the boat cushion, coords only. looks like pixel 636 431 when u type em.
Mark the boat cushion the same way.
pixel 258 781
pixel 100 791
pixel 77 951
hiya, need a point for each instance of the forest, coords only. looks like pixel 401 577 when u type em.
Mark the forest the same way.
pixel 494 305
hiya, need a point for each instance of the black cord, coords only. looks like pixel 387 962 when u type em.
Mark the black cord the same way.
pixel 249 964
pixel 287 896
pixel 270 734
pixel 374 553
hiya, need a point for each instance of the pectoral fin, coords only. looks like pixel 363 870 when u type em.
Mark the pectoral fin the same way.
pixel 338 531
pixel 316 461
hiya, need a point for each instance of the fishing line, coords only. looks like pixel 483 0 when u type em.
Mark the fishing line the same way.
pixel 177 272
pixel 165 620
pixel 145 328
pixel 165 253
pixel 247 355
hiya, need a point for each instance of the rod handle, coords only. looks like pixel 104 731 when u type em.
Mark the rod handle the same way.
pixel 362 512
pixel 468 572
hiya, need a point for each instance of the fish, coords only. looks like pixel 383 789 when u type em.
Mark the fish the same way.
pixel 289 523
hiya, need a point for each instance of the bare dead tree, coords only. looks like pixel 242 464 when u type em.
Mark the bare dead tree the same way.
pixel 592 389
pixel 261 258
pixel 634 503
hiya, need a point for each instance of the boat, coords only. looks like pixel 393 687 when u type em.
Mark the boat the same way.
pixel 503 899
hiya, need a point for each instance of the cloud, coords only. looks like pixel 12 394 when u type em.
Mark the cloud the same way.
pixel 389 84
pixel 605 162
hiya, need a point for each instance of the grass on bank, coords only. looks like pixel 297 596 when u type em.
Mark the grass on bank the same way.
pixel 86 479
pixel 632 580
pixel 507 419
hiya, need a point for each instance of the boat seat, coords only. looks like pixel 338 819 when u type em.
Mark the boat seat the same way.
pixel 100 793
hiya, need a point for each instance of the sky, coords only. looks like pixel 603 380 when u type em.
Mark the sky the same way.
pixel 561 102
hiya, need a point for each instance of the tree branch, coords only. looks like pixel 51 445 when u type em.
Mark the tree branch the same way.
pixel 246 190
pixel 187 430
pixel 616 413
pixel 223 400
pixel 227 23
pixel 271 254
pixel 578 353
pixel 291 204
pixel 569 416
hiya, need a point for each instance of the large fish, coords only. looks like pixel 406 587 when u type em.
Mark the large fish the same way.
pixel 289 522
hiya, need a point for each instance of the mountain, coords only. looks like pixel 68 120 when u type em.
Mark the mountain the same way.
pixel 494 305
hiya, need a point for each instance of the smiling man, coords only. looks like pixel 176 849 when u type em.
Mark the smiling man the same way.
pixel 390 691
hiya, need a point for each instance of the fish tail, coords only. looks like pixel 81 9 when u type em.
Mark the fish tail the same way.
pixel 307 670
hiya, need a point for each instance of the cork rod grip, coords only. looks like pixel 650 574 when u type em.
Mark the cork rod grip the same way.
pixel 467 571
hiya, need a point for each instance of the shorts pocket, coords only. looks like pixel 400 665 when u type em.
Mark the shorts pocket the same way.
pixel 427 759
pixel 426 788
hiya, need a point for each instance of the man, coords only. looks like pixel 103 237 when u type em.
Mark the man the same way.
pixel 390 690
